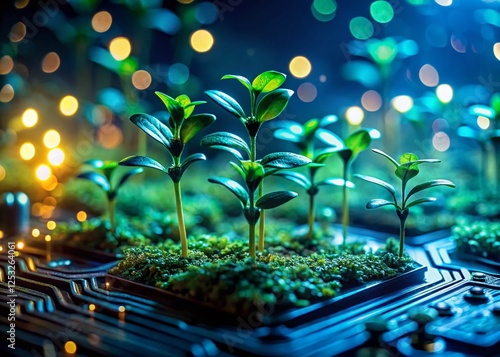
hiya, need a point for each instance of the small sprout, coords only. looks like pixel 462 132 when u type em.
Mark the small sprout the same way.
pixel 182 126
pixel 104 180
pixel 406 169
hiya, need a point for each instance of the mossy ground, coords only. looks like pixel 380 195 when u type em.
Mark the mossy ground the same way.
pixel 481 238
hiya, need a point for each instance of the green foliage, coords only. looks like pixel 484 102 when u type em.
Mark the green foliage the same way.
pixel 406 169
pixel 480 238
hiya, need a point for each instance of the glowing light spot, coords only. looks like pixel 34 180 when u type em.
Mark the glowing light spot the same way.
pixel 120 48
pixel 51 225
pixel 444 92
pixel 2 173
pixel 51 139
pixel 202 41
pixel 6 64
pixel 1 234
pixel 444 2
pixel 30 118
pixel 1 248
pixel 50 201
pixel 109 136
pixel 121 309
pixel 7 93
pixel 354 115
pixel 483 122
pixel 101 21
pixel 402 103
pixel 440 124
pixel 428 75
pixel 43 172
pixel 91 307
pixel 81 216
pixel 441 141
pixel 27 151
pixel 141 79
pixel 375 134
pixel 381 11
pixel 496 50
pixel 371 101
pixel 20 245
pixel 70 347
pixel 50 184
pixel 307 92
pixel 21 4
pixel 300 67
pixel 35 233
pixel 17 32
pixel 459 43
pixel 48 238
pixel 51 62
pixel 68 105
pixel 101 115
pixel 178 73
pixel 322 78
pixel 361 28
pixel 56 157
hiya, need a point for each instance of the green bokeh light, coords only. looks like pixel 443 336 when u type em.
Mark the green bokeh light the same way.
pixel 325 7
pixel 361 28
pixel 382 11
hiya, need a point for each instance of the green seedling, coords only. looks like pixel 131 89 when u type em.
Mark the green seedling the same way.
pixel 267 101
pixel 182 126
pixel 406 169
pixel 304 137
pixel 103 179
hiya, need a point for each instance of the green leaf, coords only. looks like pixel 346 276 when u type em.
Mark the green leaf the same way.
pixel 232 186
pixel 272 104
pixel 153 127
pixel 324 154
pixel 275 199
pixel 378 202
pixel 142 161
pixel 227 103
pixel 268 81
pixel 194 124
pixel 96 178
pixel 329 138
pixel 495 103
pixel 408 168
pixel 296 177
pixel 226 139
pixel 287 135
pixel 379 182
pixel 284 160
pixel 127 176
pixel 429 184
pixel 188 161
pixel 388 157
pixel 254 174
pixel 238 169
pixel 345 154
pixel 241 79
pixel 184 101
pixel 235 152
pixel 311 126
pixel 358 141
pixel 174 108
pixel 334 181
pixel 420 200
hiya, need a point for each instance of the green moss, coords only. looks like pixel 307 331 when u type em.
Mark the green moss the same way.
pixel 478 238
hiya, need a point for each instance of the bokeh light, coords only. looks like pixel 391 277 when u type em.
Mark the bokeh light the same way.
pixel 101 21
pixel 51 62
pixel 202 41
pixel 307 92
pixel 324 10
pixel 206 13
pixel 354 115
pixel 35 233
pixel 381 11
pixel 27 151
pixel 68 105
pixel 81 216
pixel 6 93
pixel 6 64
pixel 361 28
pixel 70 347
pixel 444 2
pixel 2 173
pixel 441 141
pixel 109 136
pixel 141 79
pixel 120 48
pixel 428 75
pixel 17 32
pixel 56 157
pixel 402 103
pixel 51 138
pixel 30 118
pixel 300 67
pixel 496 50
pixel 440 124
pixel 43 172
pixel 51 225
pixel 371 101
pixel 21 4
pixel 178 74
pixel 483 122
pixel 444 92
pixel 49 184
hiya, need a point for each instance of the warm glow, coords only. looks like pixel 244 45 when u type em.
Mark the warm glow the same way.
pixel 17 32
pixel 6 93
pixel 81 216
pixel 300 67
pixel 6 64
pixel 141 79
pixel 20 245
pixel 49 184
pixel 21 4
pixel 402 103
pixel 109 136
pixel 483 122
pixel 202 41
pixel 91 307
pixel 121 309
pixel 43 172
pixel 27 151
pixel 101 22
pixel 68 105
pixel 48 238
pixel 354 115
pixel 444 93
pixel 2 173
pixel 496 50
pixel 51 62
pixel 56 157
pixel 51 225
pixel 120 48
pixel 428 75
pixel 35 233
pixel 70 347
pixel 371 101
pixel 51 139
pixel 1 234
pixel 30 118
pixel 441 141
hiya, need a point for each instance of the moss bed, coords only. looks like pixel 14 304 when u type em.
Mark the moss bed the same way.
pixel 480 238
pixel 219 272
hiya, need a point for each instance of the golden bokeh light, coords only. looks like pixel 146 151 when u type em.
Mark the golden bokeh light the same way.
pixel 51 138
pixel 371 101
pixel 49 184
pixel 2 173
pixel 51 62
pixel 354 115
pixel 51 225
pixel 141 79
pixel 68 105
pixel 483 122
pixel 70 347
pixel 21 4
pixel 81 216
pixel 35 233
pixel 56 157
pixel 300 67
pixel 101 21
pixel 43 172
pixel 6 93
pixel 20 245
pixel 48 238
pixel 27 151
pixel 30 118
pixel 121 309
pixel 402 103
pixel 6 64
pixel 202 41
pixel 120 48
pixel 1 234
pixel 109 136
pixel 17 32
pixel 496 50
pixel 91 307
